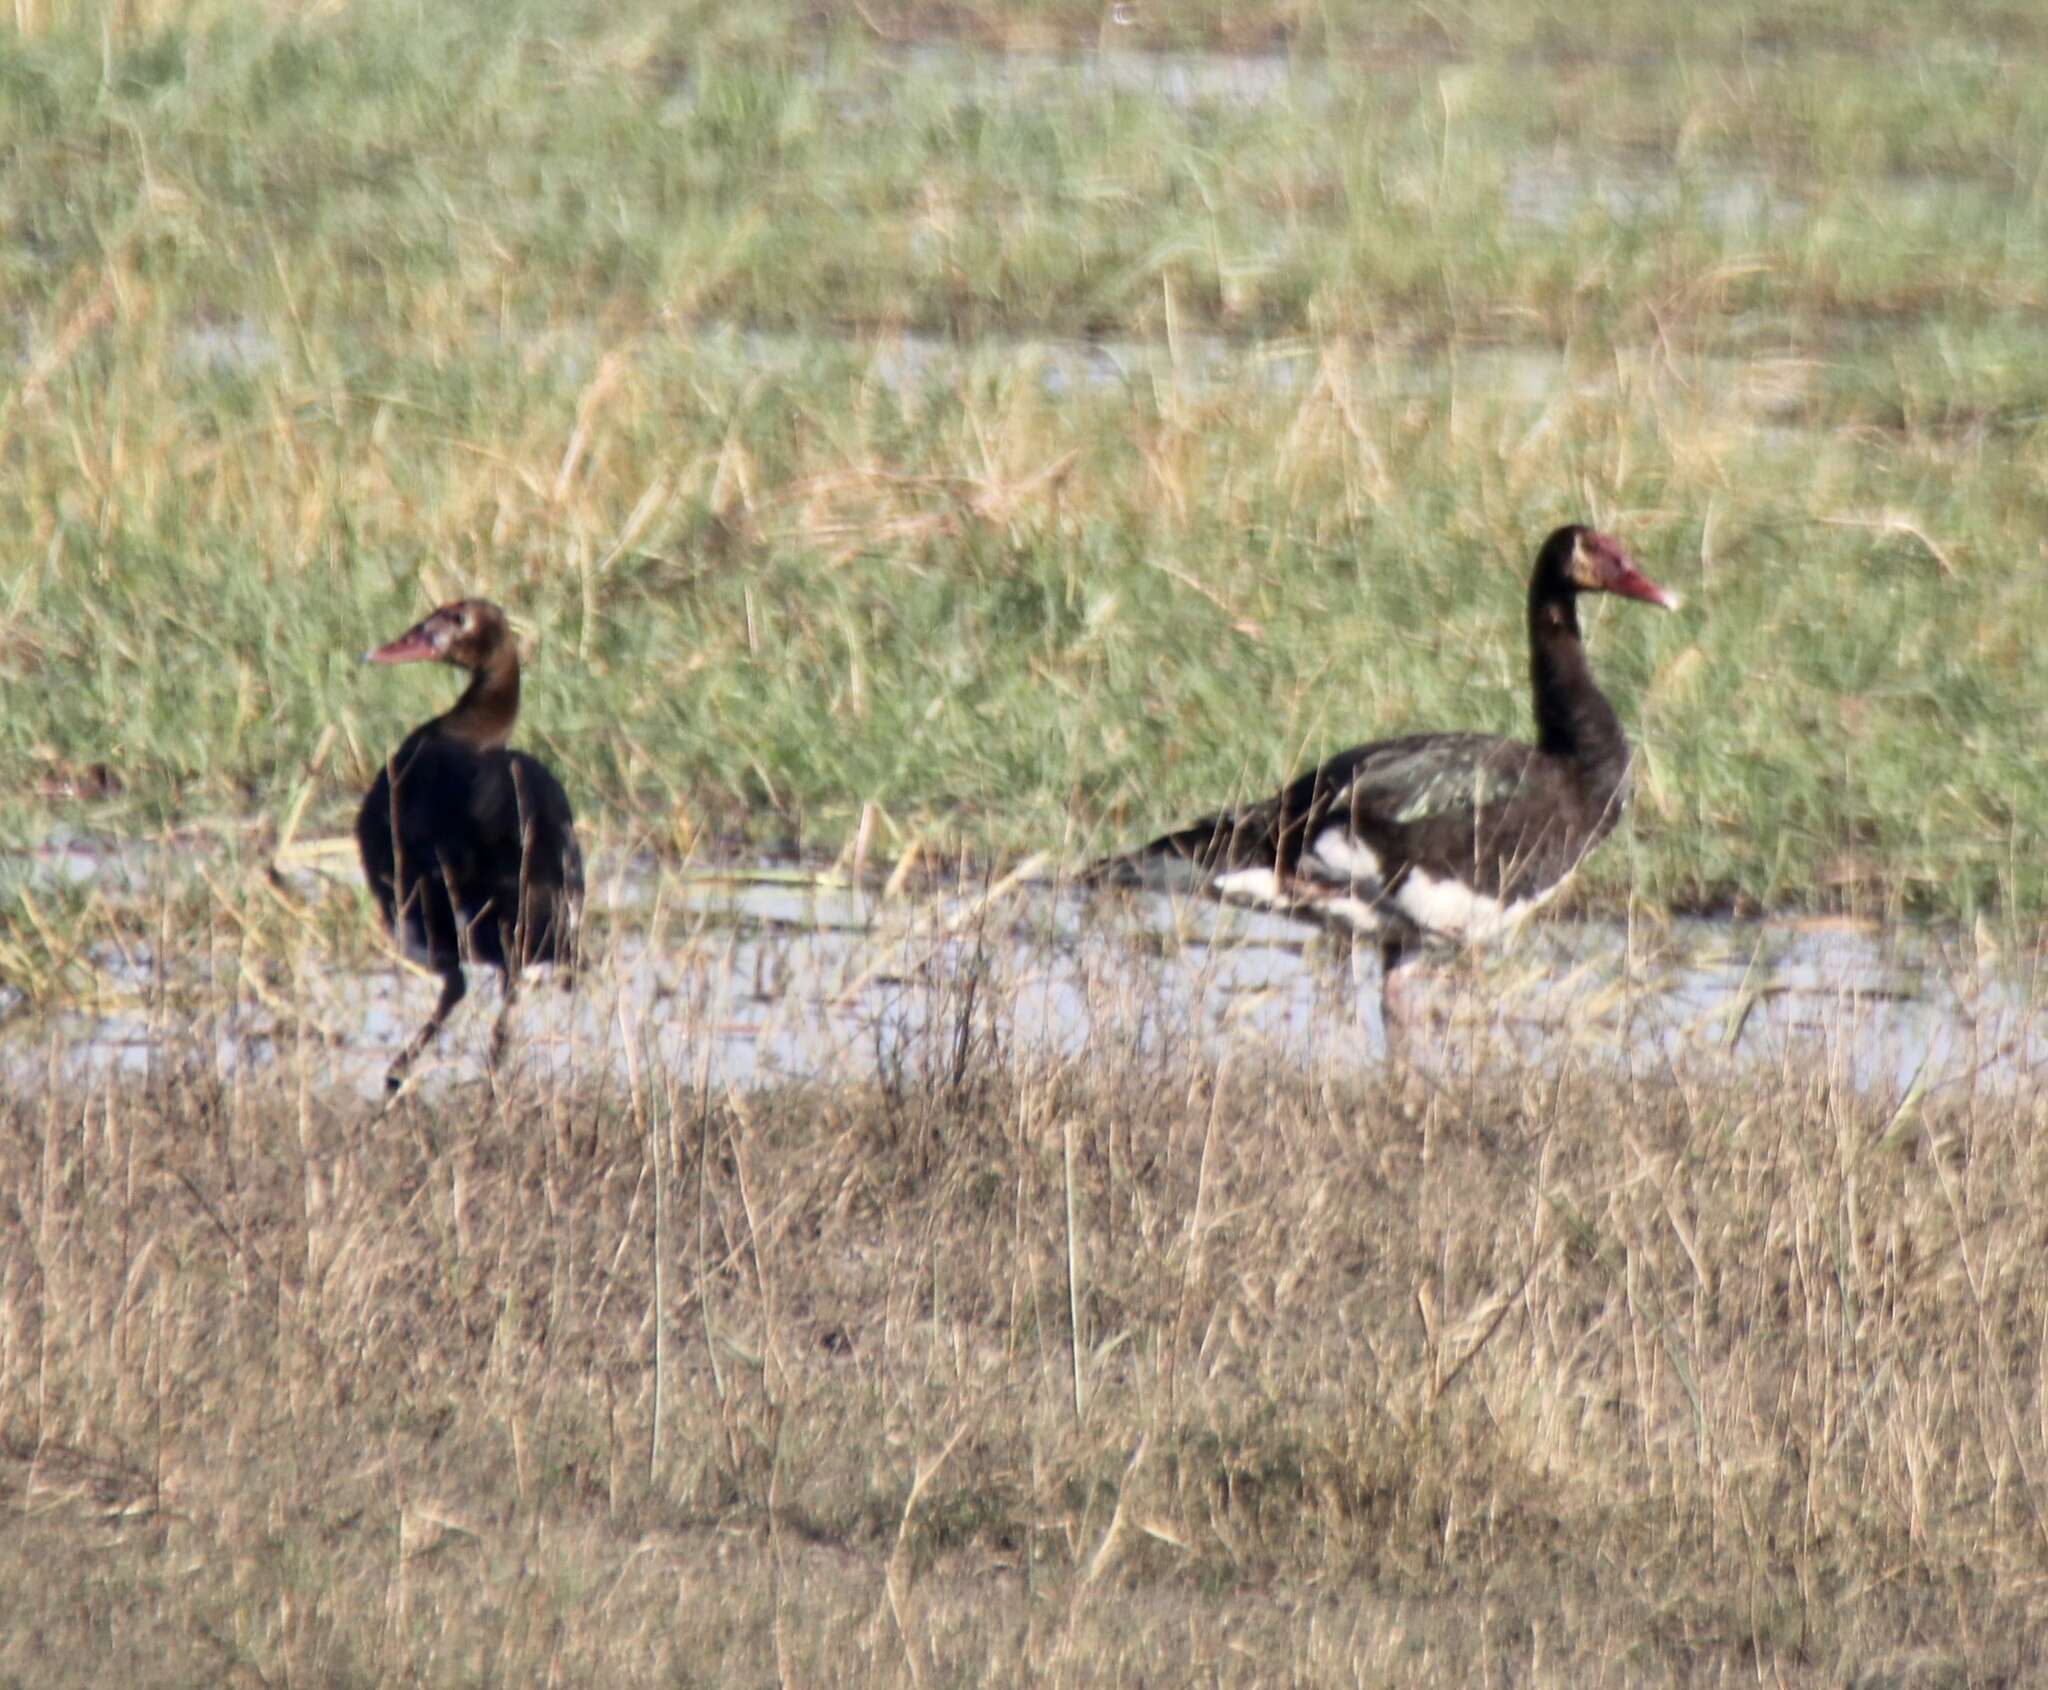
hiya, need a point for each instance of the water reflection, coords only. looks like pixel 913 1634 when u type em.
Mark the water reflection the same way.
pixel 751 977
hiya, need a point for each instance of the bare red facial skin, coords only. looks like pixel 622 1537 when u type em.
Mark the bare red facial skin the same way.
pixel 1611 570
pixel 415 645
pixel 426 641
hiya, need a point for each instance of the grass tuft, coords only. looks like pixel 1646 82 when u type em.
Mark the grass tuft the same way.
pixel 1026 426
pixel 1000 1364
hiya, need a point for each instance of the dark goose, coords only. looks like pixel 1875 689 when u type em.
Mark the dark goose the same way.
pixel 1456 836
pixel 470 847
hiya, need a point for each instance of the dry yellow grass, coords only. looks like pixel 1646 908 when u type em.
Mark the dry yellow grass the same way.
pixel 917 451
pixel 1719 1372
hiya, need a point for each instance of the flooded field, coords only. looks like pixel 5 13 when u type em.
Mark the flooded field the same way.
pixel 757 974
pixel 912 363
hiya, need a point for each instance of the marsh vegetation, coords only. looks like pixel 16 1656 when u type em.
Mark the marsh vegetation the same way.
pixel 915 437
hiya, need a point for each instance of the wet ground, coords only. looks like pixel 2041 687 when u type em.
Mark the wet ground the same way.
pixel 757 974
pixel 1765 389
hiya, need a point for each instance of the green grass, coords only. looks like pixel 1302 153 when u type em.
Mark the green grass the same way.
pixel 317 318
pixel 995 1370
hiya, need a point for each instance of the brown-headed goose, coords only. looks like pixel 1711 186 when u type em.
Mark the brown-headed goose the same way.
pixel 469 847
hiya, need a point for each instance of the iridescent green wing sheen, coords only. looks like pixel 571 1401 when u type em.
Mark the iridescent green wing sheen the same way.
pixel 1434 778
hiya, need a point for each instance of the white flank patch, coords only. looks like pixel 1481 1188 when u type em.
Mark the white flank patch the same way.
pixel 1458 911
pixel 1256 886
pixel 1346 857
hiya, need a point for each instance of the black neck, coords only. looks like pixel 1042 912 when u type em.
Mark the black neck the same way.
pixel 1573 718
pixel 484 714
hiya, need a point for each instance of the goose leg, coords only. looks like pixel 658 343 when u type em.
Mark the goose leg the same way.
pixel 452 989
pixel 1394 955
pixel 502 1027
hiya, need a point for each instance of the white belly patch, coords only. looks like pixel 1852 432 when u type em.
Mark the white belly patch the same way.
pixel 1458 911
pixel 1335 854
pixel 1262 889
pixel 1256 886
pixel 1339 879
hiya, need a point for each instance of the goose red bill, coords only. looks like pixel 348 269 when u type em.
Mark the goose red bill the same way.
pixel 415 645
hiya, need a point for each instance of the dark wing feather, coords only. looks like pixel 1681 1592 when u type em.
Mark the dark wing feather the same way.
pixel 455 840
pixel 418 846
pixel 1384 787
pixel 1499 816
pixel 1492 812
pixel 536 866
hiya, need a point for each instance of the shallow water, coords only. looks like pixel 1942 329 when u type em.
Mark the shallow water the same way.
pixel 1183 78
pixel 1764 393
pixel 753 976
